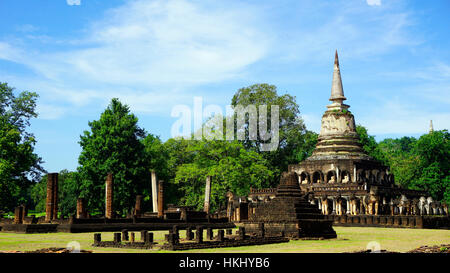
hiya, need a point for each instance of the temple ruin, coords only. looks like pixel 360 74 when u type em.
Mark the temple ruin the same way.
pixel 339 184
pixel 344 182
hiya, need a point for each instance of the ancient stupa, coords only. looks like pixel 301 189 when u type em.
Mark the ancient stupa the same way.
pixel 289 213
pixel 338 138
pixel 340 176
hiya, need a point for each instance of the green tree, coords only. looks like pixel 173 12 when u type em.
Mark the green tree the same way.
pixel 401 159
pixel 232 167
pixel 370 145
pixel 19 165
pixel 114 145
pixel 294 142
pixel 156 158
pixel 305 146
pixel 433 151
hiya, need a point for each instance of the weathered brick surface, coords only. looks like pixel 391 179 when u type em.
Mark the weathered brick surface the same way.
pixel 289 213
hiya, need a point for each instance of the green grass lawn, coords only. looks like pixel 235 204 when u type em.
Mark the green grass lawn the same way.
pixel 349 239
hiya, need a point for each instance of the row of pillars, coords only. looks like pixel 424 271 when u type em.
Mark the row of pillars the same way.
pixel 51 211
pixel 157 197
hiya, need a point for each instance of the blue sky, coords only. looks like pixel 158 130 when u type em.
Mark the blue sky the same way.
pixel 77 55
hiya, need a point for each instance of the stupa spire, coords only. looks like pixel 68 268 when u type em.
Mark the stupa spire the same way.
pixel 431 126
pixel 337 92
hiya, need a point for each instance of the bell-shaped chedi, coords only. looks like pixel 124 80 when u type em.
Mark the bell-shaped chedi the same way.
pixel 338 137
pixel 339 158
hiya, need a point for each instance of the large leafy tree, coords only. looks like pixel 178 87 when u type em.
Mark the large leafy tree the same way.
pixel 294 142
pixel 370 145
pixel 113 145
pixel 417 163
pixel 156 159
pixel 232 167
pixel 401 159
pixel 19 165
pixel 433 152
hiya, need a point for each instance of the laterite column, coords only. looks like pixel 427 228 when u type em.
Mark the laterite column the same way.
pixel 51 208
pixel 207 194
pixel 109 196
pixel 161 198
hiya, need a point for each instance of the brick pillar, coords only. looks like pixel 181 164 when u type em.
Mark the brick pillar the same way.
pixel 143 235
pixel 154 192
pixel 125 236
pixel 81 209
pixel 117 238
pixel 97 238
pixel 18 214
pixel 261 229
pixel 55 198
pixel 220 235
pixel 174 236
pixel 51 208
pixel 209 233
pixel 161 198
pixel 109 196
pixel 138 206
pixel 241 233
pixel 199 234
pixel 132 237
pixel 207 194
pixel 148 239
pixel 189 234
pixel 24 212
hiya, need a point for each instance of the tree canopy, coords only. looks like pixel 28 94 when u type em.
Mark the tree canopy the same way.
pixel 113 145
pixel 19 165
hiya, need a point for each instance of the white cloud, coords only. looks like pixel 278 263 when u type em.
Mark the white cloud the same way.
pixel 356 31
pixel 161 42
pixel 144 51
pixel 73 2
pixel 373 2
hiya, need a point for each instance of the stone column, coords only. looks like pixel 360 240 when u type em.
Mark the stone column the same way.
pixel 125 236
pixel 220 235
pixel 117 238
pixel 189 233
pixel 209 233
pixel 138 206
pixel 161 198
pixel 334 206
pixel 51 209
pixel 199 234
pixel 18 214
pixel 55 198
pixel 207 194
pixel 97 239
pixel 109 196
pixel 154 192
pixel 261 230
pixel 241 233
pixel 81 209
pixel 143 235
pixel 24 212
